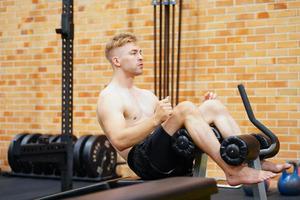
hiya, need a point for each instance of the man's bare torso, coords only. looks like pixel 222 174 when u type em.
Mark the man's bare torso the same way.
pixel 137 105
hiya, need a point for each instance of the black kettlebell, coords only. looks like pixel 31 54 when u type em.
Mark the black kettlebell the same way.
pixel 289 183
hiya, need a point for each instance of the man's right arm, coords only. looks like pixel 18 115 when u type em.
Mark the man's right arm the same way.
pixel 110 112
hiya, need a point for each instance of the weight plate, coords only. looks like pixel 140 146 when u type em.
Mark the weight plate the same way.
pixel 39 167
pixel 50 167
pixel 57 170
pixel 74 138
pixel 53 138
pixel 110 162
pixel 77 155
pixel 44 139
pixel 99 157
pixel 13 161
pixel 28 139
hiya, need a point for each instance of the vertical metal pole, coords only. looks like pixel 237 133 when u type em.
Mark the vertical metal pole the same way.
pixel 259 189
pixel 172 51
pixel 178 50
pixel 200 164
pixel 154 3
pixel 165 74
pixel 166 48
pixel 67 34
pixel 160 50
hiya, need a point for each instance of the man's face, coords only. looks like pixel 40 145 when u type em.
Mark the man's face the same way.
pixel 129 59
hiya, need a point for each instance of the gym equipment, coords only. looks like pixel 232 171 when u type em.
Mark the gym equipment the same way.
pixel 264 141
pixel 164 83
pixel 41 167
pixel 187 188
pixel 78 148
pixel 38 188
pixel 216 132
pixel 59 139
pixel 94 157
pixel 62 152
pixel 28 153
pixel 289 183
pixel 182 144
pixel 53 138
pixel 57 168
pixel 236 150
pixel 274 145
pixel 99 157
pixel 13 162
pixel 250 148
pixel 259 190
pixel 67 35
pixel 50 167
pixel 27 166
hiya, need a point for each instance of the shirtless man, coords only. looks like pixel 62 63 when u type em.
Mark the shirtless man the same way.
pixel 140 126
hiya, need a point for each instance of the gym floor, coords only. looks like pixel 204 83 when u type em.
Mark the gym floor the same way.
pixel 20 188
pixel 230 194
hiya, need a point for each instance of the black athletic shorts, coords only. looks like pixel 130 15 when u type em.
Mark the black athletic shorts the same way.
pixel 154 158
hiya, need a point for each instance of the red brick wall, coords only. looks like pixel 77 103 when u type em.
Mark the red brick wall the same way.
pixel 224 43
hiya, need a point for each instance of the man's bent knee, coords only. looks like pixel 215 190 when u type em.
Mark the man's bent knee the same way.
pixel 185 108
pixel 214 107
pixel 180 113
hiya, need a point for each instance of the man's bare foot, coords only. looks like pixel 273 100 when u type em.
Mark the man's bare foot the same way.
pixel 247 175
pixel 276 168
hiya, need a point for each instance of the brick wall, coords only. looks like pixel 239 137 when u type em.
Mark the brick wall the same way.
pixel 224 43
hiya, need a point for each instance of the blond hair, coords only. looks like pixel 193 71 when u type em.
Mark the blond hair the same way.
pixel 118 40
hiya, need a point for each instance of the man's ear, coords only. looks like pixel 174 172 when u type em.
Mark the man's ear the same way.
pixel 116 61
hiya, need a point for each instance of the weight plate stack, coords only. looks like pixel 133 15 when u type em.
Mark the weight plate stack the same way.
pixel 74 139
pixel 27 166
pixel 41 167
pixel 57 170
pixel 49 167
pixel 53 138
pixel 14 163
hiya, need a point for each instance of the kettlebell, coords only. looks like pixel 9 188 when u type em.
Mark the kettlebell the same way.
pixel 289 183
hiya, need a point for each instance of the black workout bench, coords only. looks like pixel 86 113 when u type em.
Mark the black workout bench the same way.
pixel 175 188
